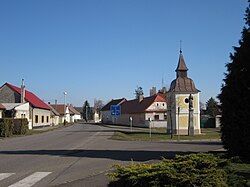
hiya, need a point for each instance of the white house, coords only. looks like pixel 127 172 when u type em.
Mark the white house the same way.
pixel 39 111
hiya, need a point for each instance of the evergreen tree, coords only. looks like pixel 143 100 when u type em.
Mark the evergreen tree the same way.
pixel 235 97
pixel 212 108
pixel 86 111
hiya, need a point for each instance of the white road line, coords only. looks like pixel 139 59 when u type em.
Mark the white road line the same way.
pixel 30 180
pixel 5 175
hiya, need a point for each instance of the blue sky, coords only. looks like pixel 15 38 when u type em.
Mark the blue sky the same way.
pixel 105 48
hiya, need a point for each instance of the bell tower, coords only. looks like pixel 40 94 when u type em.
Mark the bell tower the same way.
pixel 181 90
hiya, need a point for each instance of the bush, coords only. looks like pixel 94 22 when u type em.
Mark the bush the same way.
pixel 9 126
pixel 20 126
pixel 6 127
pixel 190 170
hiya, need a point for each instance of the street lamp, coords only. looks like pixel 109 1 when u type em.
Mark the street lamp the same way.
pixel 64 93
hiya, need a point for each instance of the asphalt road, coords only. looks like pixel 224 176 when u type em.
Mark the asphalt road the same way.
pixel 79 155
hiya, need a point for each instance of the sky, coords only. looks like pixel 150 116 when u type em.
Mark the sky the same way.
pixel 104 49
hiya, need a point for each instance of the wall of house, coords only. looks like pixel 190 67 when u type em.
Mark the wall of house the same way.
pixel 181 120
pixel 76 117
pixel 40 113
pixel 7 95
pixel 157 106
pixel 156 124
pixel 106 117
pixel 160 116
pixel 22 111
pixel 54 120
pixel 137 119
pixel 65 117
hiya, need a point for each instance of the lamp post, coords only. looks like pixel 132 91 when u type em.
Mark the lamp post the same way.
pixel 65 93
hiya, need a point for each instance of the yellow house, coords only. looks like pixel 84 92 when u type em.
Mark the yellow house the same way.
pixel 177 97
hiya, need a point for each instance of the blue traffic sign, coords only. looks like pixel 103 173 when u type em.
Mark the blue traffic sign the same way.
pixel 115 110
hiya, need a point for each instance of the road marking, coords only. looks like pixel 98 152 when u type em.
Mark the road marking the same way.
pixel 30 180
pixel 5 175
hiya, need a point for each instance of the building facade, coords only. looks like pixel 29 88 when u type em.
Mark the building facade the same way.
pixel 39 111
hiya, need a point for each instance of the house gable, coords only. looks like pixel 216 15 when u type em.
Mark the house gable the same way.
pixel 7 95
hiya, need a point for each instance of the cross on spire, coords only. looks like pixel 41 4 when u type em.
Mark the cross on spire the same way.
pixel 180 46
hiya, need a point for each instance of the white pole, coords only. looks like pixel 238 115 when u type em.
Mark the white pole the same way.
pixel 131 120
pixel 150 130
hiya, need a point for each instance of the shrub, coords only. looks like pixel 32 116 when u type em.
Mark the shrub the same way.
pixel 9 126
pixel 189 170
pixel 6 127
pixel 20 126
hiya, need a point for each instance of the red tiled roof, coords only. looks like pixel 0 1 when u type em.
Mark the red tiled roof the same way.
pixel 113 102
pixel 2 107
pixel 134 106
pixel 30 97
pixel 60 108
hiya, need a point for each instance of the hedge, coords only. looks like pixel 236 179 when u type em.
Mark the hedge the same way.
pixel 9 127
pixel 184 171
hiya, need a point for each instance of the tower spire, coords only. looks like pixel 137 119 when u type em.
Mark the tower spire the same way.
pixel 181 70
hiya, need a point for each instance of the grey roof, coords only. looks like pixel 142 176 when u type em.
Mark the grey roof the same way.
pixel 10 106
pixel 113 102
pixel 181 64
pixel 183 85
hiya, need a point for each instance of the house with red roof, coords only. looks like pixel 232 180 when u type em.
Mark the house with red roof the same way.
pixel 66 113
pixel 143 111
pixel 39 111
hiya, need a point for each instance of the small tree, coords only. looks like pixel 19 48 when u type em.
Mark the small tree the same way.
pixel 86 111
pixel 138 92
pixel 212 107
pixel 235 98
pixel 98 104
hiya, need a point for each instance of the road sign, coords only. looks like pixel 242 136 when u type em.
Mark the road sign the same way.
pixel 115 110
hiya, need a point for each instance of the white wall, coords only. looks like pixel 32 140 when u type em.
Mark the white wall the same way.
pixel 1 113
pixel 22 111
pixel 40 113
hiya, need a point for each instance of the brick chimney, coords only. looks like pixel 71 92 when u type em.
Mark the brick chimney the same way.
pixel 22 92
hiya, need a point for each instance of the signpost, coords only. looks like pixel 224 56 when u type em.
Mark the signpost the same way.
pixel 115 111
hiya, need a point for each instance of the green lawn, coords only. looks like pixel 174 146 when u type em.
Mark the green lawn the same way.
pixel 159 134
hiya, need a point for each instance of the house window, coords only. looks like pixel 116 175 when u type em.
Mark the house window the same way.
pixel 157 117
pixel 36 118
pixel 42 119
pixel 47 119
pixel 165 117
pixel 163 104
pixel 157 104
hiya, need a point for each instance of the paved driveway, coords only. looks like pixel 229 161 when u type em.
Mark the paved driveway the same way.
pixel 78 155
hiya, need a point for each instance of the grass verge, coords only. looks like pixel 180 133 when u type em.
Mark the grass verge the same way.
pixel 160 135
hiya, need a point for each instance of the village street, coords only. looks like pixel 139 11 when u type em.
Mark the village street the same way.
pixel 78 155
